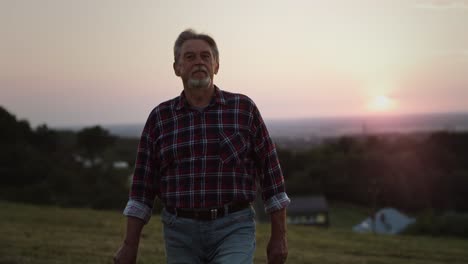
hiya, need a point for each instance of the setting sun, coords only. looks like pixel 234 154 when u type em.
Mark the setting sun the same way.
pixel 381 103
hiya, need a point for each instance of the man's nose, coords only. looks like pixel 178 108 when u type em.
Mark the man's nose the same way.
pixel 199 60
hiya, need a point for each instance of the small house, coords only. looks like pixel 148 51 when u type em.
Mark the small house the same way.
pixel 308 210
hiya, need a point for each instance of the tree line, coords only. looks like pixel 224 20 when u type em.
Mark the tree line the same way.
pixel 417 171
pixel 409 171
pixel 64 168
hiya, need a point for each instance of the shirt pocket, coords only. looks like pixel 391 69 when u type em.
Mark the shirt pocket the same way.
pixel 233 147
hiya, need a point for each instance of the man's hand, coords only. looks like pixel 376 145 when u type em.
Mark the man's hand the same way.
pixel 127 254
pixel 277 250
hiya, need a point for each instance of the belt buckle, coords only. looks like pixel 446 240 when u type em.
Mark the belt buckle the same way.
pixel 214 213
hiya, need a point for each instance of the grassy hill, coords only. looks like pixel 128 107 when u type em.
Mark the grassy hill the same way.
pixel 45 234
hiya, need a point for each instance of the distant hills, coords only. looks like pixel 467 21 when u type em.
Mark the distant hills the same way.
pixel 316 128
pixel 331 127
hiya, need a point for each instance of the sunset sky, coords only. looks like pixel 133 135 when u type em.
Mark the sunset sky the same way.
pixel 85 62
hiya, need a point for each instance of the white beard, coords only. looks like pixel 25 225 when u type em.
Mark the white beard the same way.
pixel 199 83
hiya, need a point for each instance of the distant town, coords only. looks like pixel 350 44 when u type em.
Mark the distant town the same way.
pixel 294 133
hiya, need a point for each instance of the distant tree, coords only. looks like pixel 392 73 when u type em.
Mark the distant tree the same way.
pixel 94 140
pixel 11 130
pixel 45 139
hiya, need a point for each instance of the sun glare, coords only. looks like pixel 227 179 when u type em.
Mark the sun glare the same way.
pixel 381 103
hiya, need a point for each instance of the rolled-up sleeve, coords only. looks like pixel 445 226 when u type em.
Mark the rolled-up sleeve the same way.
pixel 277 202
pixel 271 176
pixel 138 210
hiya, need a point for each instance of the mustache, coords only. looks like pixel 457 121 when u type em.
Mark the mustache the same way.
pixel 200 68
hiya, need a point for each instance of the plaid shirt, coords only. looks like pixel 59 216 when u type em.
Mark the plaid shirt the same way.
pixel 205 158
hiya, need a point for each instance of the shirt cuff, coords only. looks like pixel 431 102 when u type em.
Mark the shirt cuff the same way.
pixel 277 202
pixel 138 210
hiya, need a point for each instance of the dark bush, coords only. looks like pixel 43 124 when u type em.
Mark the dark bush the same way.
pixel 450 224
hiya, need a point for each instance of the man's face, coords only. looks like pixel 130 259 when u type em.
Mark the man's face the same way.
pixel 196 64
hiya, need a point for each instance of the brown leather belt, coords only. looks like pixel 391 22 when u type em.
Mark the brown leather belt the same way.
pixel 207 214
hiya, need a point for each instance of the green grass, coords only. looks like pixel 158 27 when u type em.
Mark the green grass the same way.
pixel 45 234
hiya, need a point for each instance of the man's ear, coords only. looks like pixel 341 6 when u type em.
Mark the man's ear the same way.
pixel 216 68
pixel 176 69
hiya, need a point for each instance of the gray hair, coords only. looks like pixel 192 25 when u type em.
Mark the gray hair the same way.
pixel 189 34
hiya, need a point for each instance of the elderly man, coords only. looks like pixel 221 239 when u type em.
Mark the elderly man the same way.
pixel 203 154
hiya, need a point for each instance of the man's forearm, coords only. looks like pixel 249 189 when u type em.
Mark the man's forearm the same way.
pixel 278 223
pixel 277 249
pixel 134 227
pixel 127 253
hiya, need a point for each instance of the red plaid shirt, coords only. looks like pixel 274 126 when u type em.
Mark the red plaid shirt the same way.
pixel 206 158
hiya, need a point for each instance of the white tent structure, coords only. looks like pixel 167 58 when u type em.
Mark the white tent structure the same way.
pixel 386 221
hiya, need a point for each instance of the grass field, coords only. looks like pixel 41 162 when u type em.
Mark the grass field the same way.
pixel 43 234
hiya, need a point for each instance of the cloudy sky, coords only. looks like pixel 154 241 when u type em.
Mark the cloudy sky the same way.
pixel 68 62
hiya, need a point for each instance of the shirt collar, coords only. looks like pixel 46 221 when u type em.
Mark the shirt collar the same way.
pixel 218 98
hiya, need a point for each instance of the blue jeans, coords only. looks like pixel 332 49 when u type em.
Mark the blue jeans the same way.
pixel 227 240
